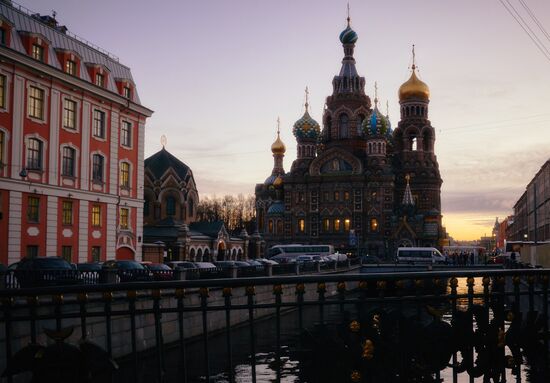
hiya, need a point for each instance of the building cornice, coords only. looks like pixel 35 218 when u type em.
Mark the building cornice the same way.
pixel 7 54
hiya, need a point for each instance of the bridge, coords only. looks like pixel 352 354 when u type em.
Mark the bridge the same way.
pixel 397 326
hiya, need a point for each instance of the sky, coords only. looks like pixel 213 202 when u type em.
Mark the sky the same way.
pixel 218 74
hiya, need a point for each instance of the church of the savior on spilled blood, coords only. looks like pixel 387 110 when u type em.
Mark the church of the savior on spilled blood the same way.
pixel 357 183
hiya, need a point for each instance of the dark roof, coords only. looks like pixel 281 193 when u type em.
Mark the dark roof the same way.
pixel 208 228
pixel 162 160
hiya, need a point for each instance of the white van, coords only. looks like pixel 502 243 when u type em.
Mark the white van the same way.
pixel 419 255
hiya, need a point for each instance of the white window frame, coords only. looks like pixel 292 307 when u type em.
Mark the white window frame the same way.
pixel 43 154
pixel 130 167
pixel 76 159
pixel 76 128
pixel 129 226
pixel 104 170
pixel 94 109
pixel 131 125
pixel 6 107
pixel 45 106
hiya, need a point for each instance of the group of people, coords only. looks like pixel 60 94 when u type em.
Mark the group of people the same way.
pixel 461 258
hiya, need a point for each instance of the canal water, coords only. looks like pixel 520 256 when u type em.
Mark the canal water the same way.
pixel 298 360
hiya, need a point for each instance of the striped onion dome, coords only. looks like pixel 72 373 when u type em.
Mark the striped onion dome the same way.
pixel 376 124
pixel 348 36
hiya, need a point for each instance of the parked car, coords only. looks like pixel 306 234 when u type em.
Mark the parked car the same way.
pixel 90 266
pixel 181 264
pixel 338 257
pixel 205 265
pixel 255 263
pixel 370 260
pixel 45 271
pixel 266 261
pixel 304 258
pixel 129 271
pixel 225 264
pixel 161 272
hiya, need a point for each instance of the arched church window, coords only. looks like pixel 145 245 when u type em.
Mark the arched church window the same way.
pixel 379 148
pixel 414 144
pixel 270 226
pixel 328 126
pixel 343 125
pixel 418 111
pixel 146 205
pixel 279 227
pixel 326 225
pixel 374 224
pixel 170 206
pixel 360 119
pixel 301 225
pixel 191 208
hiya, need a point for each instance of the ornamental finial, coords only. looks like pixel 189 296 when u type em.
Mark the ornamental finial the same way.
pixel 414 59
pixel 278 126
pixel 408 178
pixel 307 98
pixel 349 19
pixel 376 94
pixel 163 140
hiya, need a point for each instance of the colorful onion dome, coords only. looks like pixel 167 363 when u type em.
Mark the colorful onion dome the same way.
pixel 306 127
pixel 278 147
pixel 277 207
pixel 269 180
pixel 376 123
pixel 348 36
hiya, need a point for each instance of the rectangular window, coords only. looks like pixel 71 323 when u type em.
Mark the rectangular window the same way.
pixel 34 154
pixel 125 175
pixel 36 103
pixel 124 215
pixel 33 209
pixel 346 196
pixel 67 217
pixel 127 92
pixel 326 224
pixel 301 225
pixel 337 225
pixel 336 196
pixel 96 215
pixel 347 224
pixel 67 253
pixel 97 168
pixel 99 123
pixel 37 52
pixel 96 253
pixel 68 162
pixel 3 35
pixel 99 80
pixel 70 67
pixel 126 134
pixel 32 251
pixel 2 92
pixel 69 114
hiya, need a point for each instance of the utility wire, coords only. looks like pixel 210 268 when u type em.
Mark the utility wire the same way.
pixel 547 56
pixel 528 27
pixel 532 14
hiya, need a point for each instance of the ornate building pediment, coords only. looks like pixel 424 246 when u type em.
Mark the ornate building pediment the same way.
pixel 334 161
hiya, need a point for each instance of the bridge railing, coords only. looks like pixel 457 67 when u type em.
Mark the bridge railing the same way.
pixel 481 323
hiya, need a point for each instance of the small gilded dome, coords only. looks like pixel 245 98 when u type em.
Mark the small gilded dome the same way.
pixel 278 147
pixel 376 124
pixel 414 88
pixel 348 36
pixel 278 182
pixel 306 127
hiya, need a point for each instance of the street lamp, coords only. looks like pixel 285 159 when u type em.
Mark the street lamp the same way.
pixel 525 237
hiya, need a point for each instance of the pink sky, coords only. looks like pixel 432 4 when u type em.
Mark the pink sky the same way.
pixel 219 73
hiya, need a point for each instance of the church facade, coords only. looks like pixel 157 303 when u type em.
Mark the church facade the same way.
pixel 356 183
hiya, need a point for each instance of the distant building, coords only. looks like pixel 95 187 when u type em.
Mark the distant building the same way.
pixel 531 220
pixel 170 213
pixel 356 182
pixel 71 145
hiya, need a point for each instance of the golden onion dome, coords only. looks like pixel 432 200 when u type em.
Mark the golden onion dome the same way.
pixel 278 147
pixel 414 88
pixel 278 181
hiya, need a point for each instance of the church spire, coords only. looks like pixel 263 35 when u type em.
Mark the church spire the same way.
pixel 407 197
pixel 278 149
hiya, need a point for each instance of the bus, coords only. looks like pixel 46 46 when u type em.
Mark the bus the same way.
pixel 293 251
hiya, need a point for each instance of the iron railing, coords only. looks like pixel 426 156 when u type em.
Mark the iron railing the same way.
pixel 358 327
pixel 53 277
